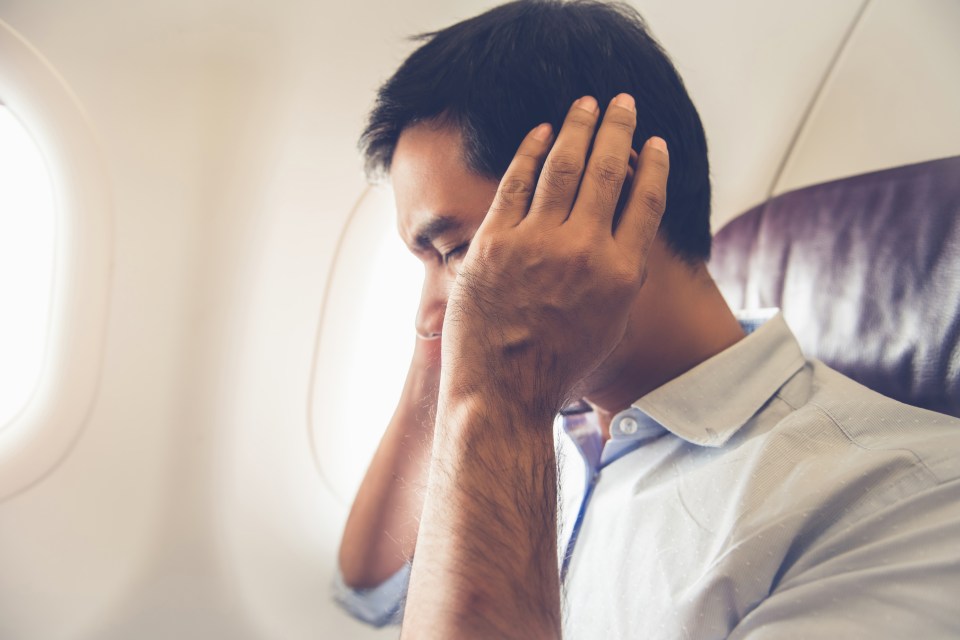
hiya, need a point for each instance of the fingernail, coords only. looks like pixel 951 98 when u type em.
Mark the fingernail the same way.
pixel 542 132
pixel 658 143
pixel 626 101
pixel 587 103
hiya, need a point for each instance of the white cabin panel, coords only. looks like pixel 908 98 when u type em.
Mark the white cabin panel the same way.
pixel 205 494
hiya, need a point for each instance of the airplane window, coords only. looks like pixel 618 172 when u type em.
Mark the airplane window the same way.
pixel 27 244
pixel 56 255
pixel 366 340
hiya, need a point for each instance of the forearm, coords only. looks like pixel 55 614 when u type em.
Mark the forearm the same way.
pixel 486 555
pixel 545 266
pixel 381 530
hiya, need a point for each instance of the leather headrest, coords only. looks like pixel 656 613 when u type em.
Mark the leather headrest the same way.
pixel 867 272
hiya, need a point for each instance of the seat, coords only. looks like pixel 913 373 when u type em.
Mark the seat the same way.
pixel 866 270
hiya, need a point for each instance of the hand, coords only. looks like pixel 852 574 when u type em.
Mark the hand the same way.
pixel 381 530
pixel 425 365
pixel 544 292
pixel 423 381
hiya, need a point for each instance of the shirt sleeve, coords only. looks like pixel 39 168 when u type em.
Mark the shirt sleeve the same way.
pixel 895 574
pixel 378 606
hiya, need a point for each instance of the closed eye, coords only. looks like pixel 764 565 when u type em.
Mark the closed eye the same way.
pixel 455 253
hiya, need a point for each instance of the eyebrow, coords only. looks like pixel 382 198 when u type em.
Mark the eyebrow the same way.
pixel 435 226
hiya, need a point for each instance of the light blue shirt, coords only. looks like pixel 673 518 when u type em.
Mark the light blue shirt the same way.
pixel 757 495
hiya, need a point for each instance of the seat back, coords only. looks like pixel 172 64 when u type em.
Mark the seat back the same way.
pixel 867 272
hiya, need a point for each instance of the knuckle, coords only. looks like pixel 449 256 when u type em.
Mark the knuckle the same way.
pixel 515 188
pixel 505 202
pixel 556 183
pixel 550 199
pixel 565 164
pixel 653 198
pixel 608 173
pixel 582 260
pixel 562 171
pixel 609 169
pixel 580 119
pixel 620 121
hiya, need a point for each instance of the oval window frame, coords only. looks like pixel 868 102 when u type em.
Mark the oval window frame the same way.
pixel 44 432
pixel 342 443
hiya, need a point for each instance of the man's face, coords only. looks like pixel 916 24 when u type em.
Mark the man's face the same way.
pixel 440 205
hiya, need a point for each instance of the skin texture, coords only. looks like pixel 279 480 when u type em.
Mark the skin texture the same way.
pixel 677 319
pixel 381 530
pixel 443 205
pixel 517 342
pixel 544 266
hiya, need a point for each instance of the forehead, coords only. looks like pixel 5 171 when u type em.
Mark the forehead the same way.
pixel 431 181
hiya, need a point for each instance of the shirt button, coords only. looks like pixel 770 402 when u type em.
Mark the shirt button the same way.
pixel 628 426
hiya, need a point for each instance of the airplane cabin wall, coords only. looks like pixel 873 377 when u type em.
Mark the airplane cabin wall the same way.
pixel 190 504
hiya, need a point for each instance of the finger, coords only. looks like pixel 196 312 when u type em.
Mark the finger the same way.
pixel 563 169
pixel 512 201
pixel 647 200
pixel 607 167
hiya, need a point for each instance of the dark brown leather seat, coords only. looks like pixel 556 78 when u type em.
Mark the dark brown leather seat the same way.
pixel 867 272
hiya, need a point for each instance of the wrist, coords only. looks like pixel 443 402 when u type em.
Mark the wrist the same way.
pixel 516 376
pixel 475 415
pixel 492 494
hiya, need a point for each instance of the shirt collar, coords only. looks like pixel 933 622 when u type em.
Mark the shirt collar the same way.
pixel 711 402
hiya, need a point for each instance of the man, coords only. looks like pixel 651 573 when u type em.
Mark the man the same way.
pixel 733 489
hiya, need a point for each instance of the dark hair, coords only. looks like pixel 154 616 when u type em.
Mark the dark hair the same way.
pixel 499 74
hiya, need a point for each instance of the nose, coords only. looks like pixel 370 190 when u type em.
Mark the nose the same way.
pixel 433 305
